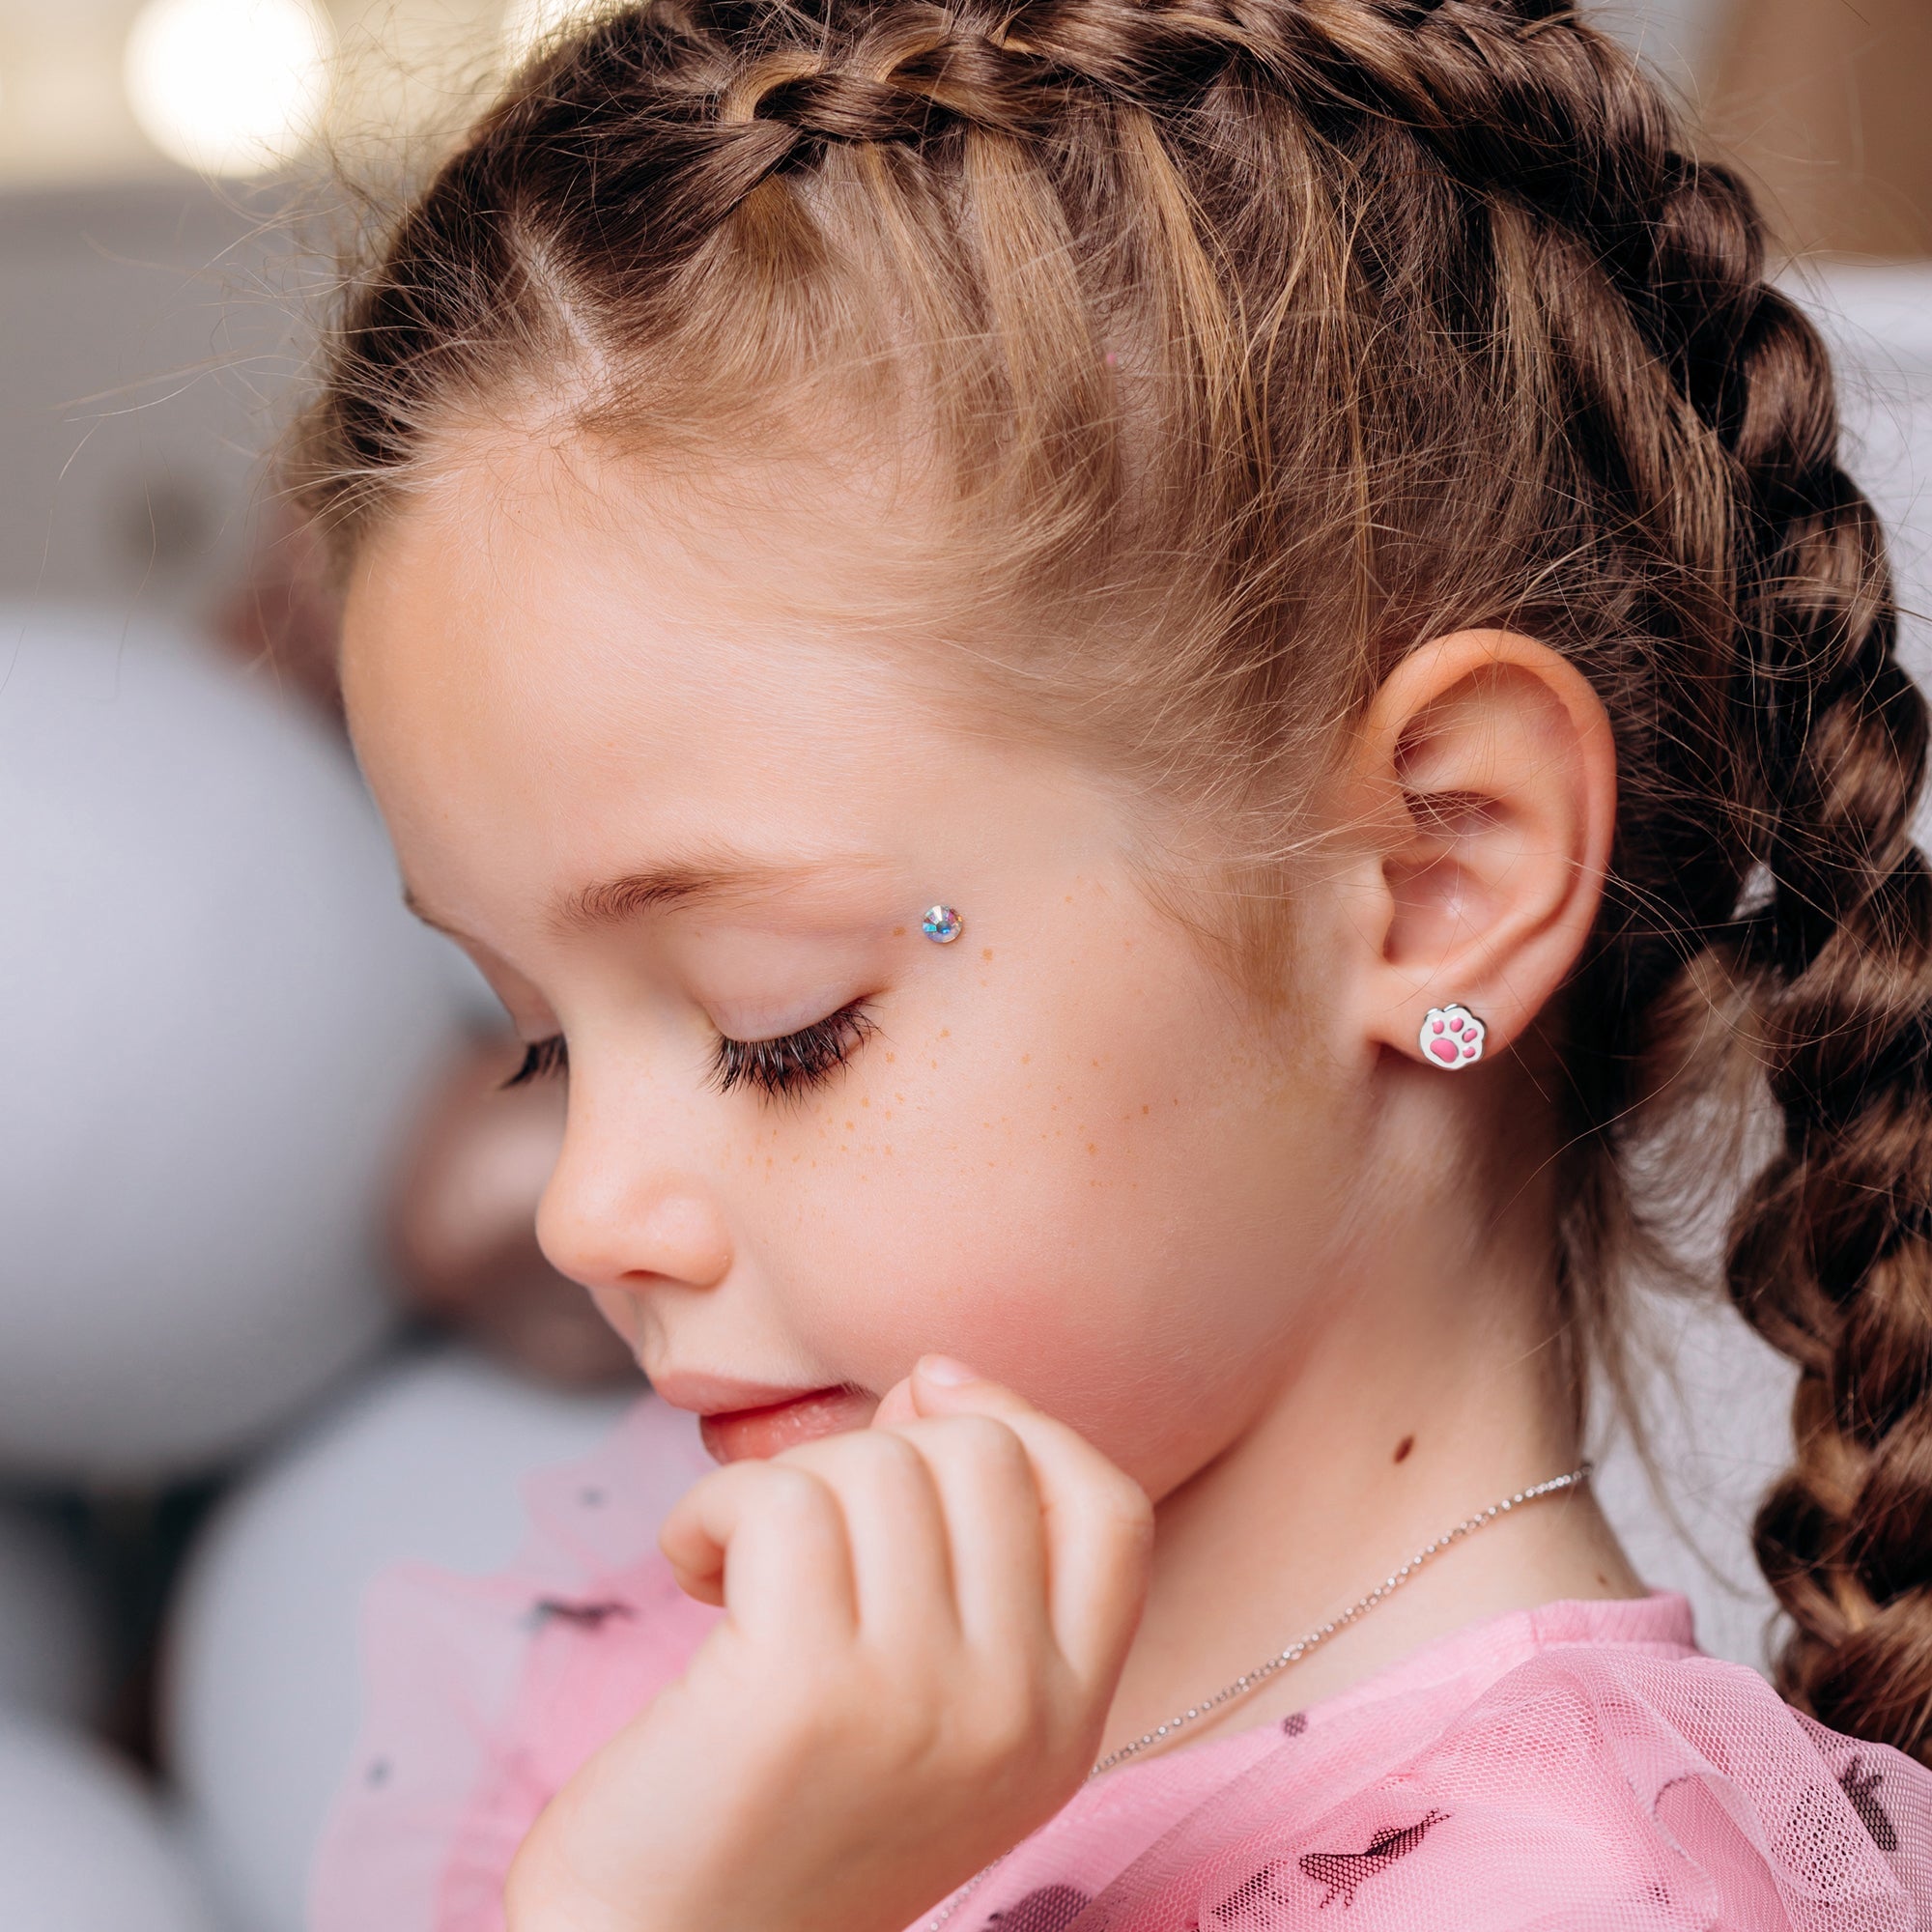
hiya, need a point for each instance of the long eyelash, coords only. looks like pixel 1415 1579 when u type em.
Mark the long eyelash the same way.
pixel 542 1059
pixel 797 1060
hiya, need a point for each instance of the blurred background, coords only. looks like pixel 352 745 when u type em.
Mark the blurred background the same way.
pixel 271 1312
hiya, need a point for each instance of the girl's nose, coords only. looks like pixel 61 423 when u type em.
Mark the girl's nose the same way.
pixel 612 1216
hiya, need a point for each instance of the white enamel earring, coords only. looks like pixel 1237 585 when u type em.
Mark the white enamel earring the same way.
pixel 1452 1037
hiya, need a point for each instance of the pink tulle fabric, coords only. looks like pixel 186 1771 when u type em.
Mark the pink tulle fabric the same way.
pixel 1581 1766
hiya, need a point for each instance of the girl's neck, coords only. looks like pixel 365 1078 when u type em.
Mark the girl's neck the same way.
pixel 1403 1416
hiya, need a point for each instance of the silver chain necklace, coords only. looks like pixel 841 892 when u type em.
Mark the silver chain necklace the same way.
pixel 1249 1679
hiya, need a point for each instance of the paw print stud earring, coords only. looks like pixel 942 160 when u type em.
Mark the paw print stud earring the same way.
pixel 942 925
pixel 1452 1037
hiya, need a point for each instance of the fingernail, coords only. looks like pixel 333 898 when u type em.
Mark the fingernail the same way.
pixel 944 1371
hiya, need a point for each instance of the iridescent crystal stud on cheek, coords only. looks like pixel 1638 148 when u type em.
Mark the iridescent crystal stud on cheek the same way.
pixel 942 925
pixel 1452 1037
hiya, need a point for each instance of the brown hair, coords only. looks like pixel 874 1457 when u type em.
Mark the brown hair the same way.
pixel 1314 328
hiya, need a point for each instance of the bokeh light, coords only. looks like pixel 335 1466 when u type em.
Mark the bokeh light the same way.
pixel 229 87
pixel 528 23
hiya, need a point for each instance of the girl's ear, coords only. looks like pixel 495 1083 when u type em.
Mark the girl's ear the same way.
pixel 1485 779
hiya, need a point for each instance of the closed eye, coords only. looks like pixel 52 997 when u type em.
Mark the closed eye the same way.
pixel 795 1061
pixel 788 1064
pixel 542 1059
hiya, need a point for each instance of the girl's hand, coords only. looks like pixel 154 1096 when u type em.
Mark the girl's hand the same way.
pixel 925 1621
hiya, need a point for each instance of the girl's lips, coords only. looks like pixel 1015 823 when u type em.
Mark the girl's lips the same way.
pixel 738 1435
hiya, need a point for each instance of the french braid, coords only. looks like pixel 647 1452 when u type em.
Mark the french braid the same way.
pixel 1319 327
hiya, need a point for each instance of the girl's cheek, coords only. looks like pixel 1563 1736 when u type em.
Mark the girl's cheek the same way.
pixel 1010 1256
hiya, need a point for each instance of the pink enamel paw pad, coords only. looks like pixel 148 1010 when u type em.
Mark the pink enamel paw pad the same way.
pixel 1452 1036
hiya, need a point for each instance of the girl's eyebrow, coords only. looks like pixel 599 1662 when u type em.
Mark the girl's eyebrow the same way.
pixel 668 887
pixel 660 889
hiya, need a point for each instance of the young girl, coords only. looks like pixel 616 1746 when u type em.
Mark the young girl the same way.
pixel 1170 702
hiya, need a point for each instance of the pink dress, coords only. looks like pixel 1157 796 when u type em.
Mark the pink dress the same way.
pixel 1581 1766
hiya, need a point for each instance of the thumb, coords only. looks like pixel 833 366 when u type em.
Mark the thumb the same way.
pixel 939 1385
pixel 896 1405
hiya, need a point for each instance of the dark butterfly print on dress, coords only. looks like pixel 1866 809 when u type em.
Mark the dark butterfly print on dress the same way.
pixel 1047 1910
pixel 1862 1787
pixel 1340 1873
pixel 581 1616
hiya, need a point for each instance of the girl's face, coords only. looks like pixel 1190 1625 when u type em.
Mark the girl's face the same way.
pixel 806 1144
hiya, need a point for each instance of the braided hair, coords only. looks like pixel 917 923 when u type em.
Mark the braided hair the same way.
pixel 1306 330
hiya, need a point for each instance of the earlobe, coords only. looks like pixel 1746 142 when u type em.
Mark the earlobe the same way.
pixel 1452 1037
pixel 1485 777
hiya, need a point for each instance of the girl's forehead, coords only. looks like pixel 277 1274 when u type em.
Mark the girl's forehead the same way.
pixel 543 697
pixel 537 668
pixel 569 589
pixel 565 570
pixel 826 531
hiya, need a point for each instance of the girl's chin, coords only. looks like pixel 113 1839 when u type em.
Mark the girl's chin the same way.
pixel 742 1434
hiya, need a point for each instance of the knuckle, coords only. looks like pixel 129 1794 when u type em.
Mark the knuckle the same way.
pixel 886 1471
pixel 793 1490
pixel 857 1458
pixel 943 1443
pixel 892 1453
pixel 810 1457
pixel 987 1441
